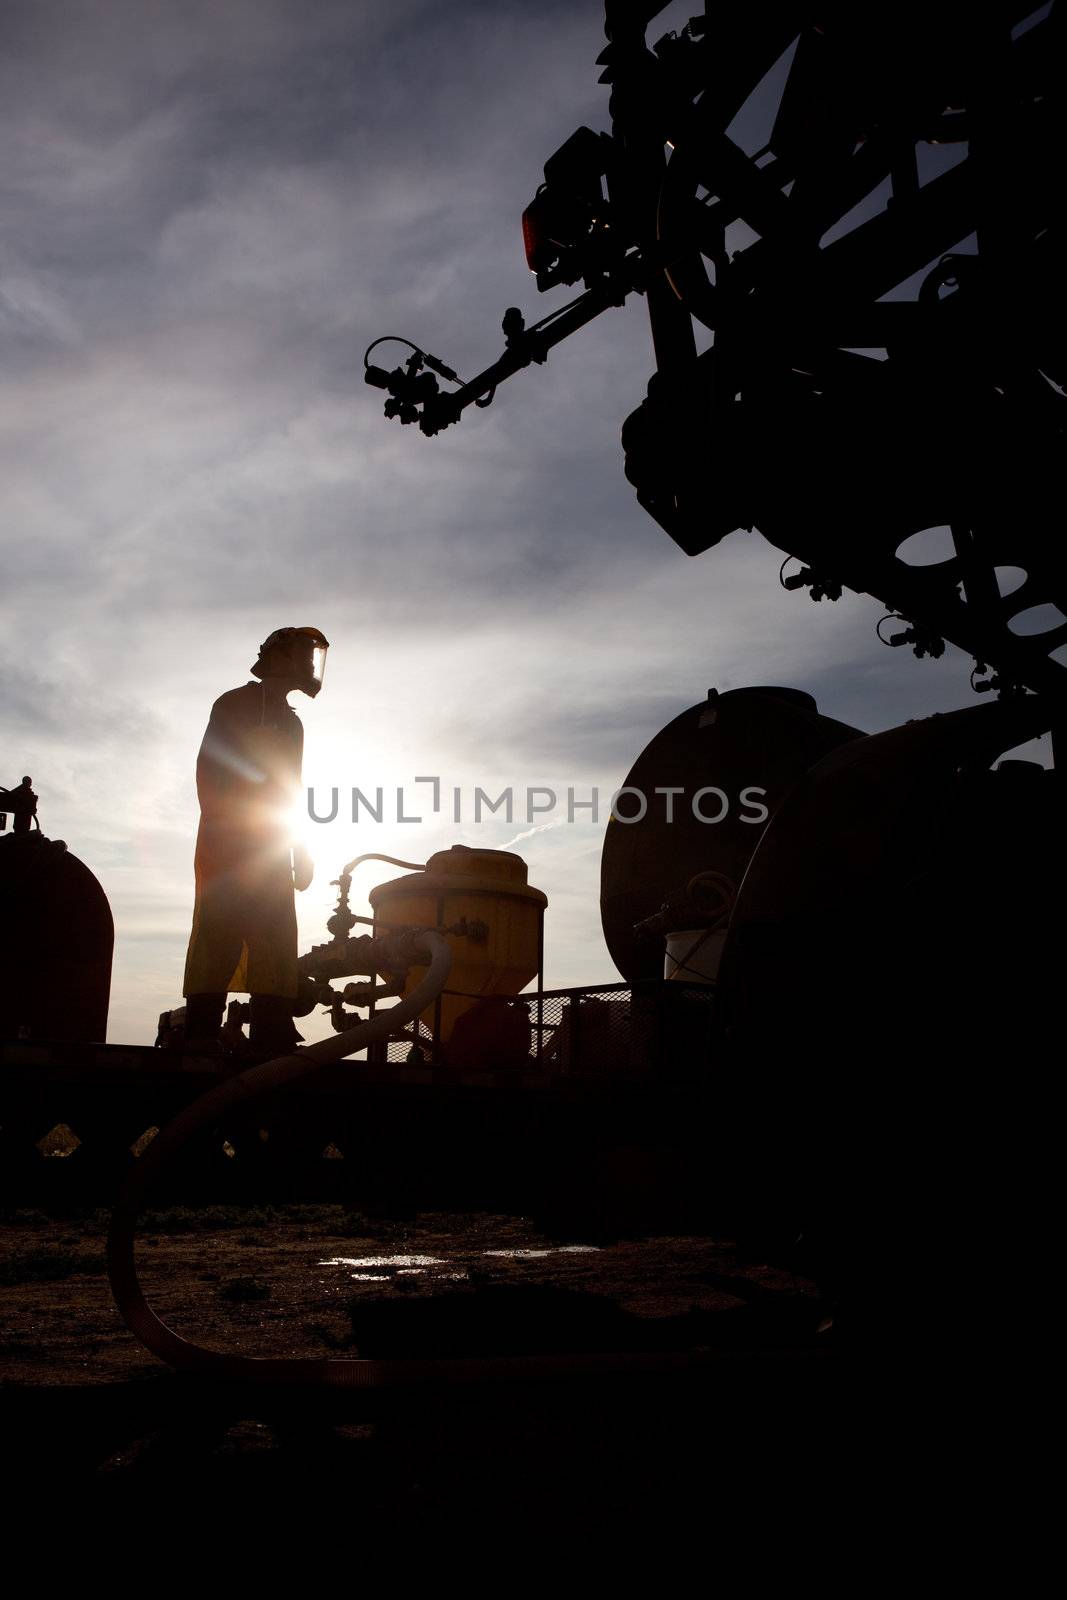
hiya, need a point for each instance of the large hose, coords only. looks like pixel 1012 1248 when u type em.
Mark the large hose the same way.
pixel 181 1353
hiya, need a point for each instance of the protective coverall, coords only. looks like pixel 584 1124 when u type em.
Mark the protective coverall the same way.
pixel 244 917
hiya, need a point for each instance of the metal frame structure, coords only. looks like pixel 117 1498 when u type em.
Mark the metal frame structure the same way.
pixel 881 278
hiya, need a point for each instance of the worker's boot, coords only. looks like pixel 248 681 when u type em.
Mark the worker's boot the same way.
pixel 203 1023
pixel 270 1024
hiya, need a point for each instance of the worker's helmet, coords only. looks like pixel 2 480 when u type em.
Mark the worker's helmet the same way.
pixel 299 653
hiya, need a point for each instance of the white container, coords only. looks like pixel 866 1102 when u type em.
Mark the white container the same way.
pixel 693 955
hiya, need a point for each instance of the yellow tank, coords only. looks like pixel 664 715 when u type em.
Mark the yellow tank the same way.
pixel 487 886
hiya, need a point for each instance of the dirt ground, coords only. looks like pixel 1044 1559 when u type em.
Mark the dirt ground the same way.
pixel 86 1408
pixel 317 1280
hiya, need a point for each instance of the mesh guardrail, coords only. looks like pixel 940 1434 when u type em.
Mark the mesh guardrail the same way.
pixel 609 1030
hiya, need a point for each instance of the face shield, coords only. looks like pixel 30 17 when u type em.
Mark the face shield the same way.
pixel 296 653
pixel 318 666
pixel 309 656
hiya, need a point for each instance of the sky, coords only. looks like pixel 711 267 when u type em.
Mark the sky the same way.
pixel 208 208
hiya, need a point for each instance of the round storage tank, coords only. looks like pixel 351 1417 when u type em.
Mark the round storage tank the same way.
pixel 487 886
pixel 56 944
pixel 761 739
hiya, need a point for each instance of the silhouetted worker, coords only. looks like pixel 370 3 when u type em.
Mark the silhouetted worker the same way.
pixel 21 804
pixel 247 778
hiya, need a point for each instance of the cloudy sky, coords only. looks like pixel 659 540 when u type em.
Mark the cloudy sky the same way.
pixel 209 208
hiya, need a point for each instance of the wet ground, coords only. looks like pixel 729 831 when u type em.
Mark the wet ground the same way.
pixel 320 1281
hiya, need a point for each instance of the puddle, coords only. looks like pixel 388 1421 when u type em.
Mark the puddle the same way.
pixel 538 1255
pixel 417 1266
pixel 518 1255
pixel 384 1261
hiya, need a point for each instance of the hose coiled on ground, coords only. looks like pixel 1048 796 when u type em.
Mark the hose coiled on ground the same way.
pixel 186 1356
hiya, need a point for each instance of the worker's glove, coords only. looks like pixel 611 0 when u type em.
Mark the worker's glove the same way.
pixel 303 867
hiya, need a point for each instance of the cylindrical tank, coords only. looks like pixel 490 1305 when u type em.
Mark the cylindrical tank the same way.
pixel 729 746
pixel 486 886
pixel 903 882
pixel 56 942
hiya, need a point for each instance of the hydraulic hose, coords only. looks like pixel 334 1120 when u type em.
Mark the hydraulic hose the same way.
pixel 186 1356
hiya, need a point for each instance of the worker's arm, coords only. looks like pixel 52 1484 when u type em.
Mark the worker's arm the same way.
pixel 226 772
pixel 303 867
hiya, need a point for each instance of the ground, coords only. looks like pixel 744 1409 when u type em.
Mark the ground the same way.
pixel 89 1402
pixel 319 1280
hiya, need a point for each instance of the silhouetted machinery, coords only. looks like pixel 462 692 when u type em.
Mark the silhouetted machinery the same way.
pixel 492 921
pixel 859 870
pixel 707 784
pixel 862 204
pixel 879 261
pixel 56 935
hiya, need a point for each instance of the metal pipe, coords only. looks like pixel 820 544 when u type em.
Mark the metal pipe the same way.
pixel 540 982
pixel 346 872
pixel 435 1050
pixel 394 861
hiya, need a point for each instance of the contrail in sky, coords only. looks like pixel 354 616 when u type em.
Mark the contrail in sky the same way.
pixel 542 827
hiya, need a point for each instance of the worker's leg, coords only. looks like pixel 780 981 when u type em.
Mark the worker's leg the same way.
pixel 216 945
pixel 270 1023
pixel 203 1020
pixel 272 966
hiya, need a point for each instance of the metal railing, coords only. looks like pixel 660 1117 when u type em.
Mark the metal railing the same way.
pixel 598 1031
